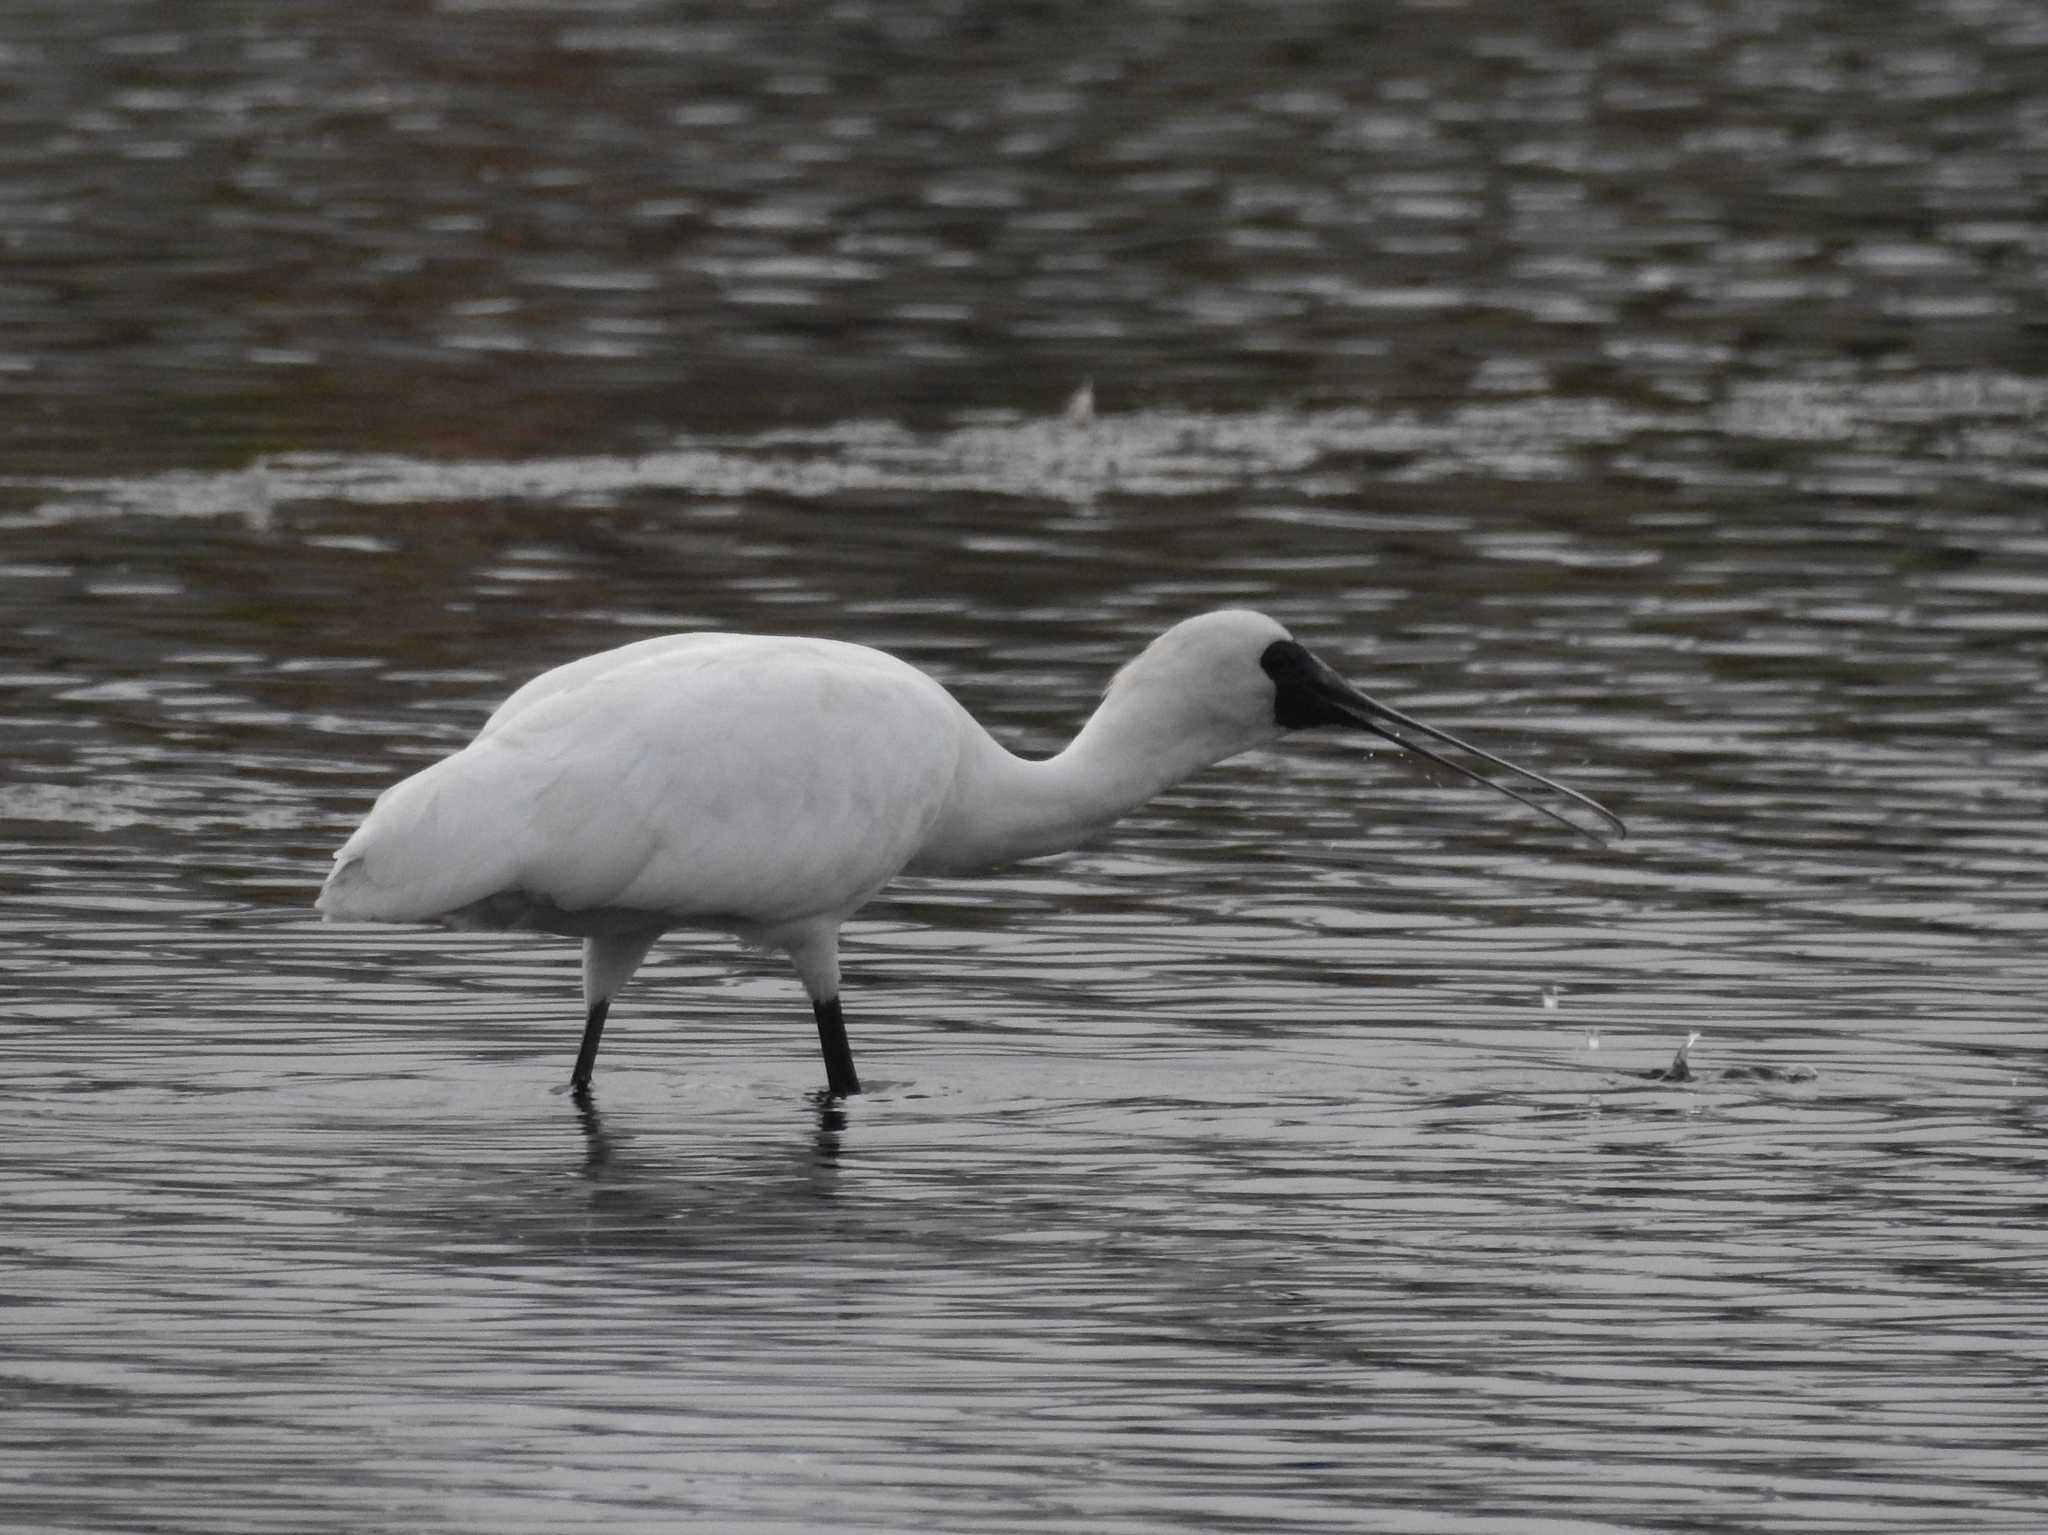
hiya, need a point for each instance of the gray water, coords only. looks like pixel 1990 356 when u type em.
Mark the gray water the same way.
pixel 1658 392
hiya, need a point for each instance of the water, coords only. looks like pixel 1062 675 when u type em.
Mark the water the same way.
pixel 1657 393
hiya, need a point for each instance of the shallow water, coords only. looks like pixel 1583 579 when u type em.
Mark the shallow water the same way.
pixel 1658 394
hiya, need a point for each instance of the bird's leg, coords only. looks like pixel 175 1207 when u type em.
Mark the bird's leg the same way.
pixel 593 1030
pixel 840 1077
pixel 609 960
pixel 813 948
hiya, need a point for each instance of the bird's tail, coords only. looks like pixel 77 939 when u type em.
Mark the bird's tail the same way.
pixel 342 897
pixel 433 845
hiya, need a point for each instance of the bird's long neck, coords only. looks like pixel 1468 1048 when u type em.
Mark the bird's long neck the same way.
pixel 1005 808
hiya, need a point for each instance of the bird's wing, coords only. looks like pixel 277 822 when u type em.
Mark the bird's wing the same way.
pixel 586 670
pixel 754 783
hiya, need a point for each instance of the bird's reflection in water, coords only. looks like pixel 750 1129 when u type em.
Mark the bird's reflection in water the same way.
pixel 603 1158
pixel 597 1145
pixel 831 1111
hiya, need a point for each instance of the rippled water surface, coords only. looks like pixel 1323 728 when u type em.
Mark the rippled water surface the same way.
pixel 1658 392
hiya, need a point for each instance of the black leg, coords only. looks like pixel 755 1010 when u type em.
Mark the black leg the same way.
pixel 840 1077
pixel 593 1030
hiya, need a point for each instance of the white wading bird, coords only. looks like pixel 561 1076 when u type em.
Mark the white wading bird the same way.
pixel 769 787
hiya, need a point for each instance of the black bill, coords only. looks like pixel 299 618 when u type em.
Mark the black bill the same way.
pixel 1311 694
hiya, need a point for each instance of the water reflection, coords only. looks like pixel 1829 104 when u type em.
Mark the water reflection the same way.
pixel 1172 454
pixel 600 1146
pixel 601 1162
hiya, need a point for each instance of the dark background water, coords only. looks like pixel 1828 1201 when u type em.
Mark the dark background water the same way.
pixel 1657 391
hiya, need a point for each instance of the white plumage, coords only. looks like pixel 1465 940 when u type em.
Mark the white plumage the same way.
pixel 769 787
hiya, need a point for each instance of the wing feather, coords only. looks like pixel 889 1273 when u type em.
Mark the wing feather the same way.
pixel 720 778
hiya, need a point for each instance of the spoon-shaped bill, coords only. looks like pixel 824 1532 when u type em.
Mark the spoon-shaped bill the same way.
pixel 1382 720
pixel 1312 693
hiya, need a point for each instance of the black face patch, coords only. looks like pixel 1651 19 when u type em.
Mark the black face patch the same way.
pixel 1302 698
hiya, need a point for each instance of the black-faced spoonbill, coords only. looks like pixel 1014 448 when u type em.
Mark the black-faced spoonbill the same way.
pixel 769 787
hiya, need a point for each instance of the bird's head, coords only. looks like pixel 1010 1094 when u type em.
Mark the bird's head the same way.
pixel 1227 681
